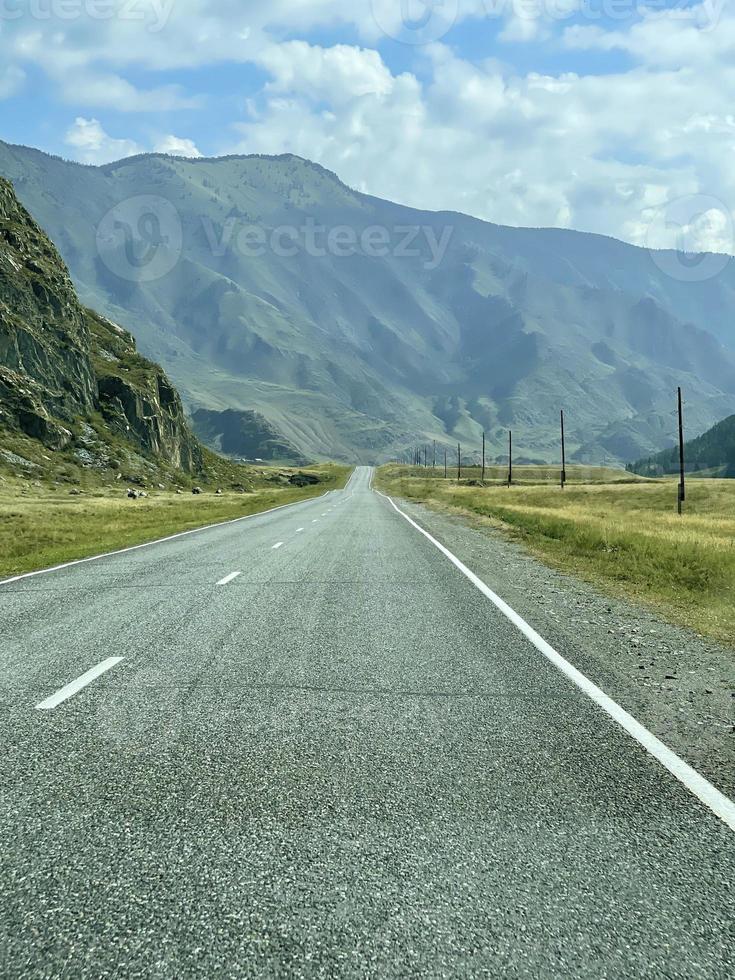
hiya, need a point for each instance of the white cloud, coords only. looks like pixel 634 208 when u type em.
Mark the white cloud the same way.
pixel 601 153
pixel 114 92
pixel 176 147
pixel 337 74
pixel 91 144
pixel 596 151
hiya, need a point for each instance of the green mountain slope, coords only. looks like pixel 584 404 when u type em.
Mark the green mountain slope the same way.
pixel 71 381
pixel 357 352
pixel 712 453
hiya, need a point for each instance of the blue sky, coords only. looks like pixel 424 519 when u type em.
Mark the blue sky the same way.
pixel 606 115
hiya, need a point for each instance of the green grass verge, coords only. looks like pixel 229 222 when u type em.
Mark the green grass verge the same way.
pixel 42 527
pixel 623 536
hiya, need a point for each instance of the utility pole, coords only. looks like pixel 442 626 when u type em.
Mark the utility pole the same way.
pixel 510 458
pixel 563 453
pixel 483 457
pixel 445 463
pixel 682 477
pixel 459 461
pixel 433 465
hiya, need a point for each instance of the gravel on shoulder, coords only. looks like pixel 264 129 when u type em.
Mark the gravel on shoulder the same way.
pixel 676 683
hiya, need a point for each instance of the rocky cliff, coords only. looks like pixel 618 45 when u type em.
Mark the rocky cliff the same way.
pixel 63 366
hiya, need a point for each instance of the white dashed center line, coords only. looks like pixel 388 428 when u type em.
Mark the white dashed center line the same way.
pixel 79 684
pixel 229 578
pixel 299 530
pixel 277 546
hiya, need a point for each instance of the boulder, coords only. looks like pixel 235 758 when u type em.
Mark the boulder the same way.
pixel 303 480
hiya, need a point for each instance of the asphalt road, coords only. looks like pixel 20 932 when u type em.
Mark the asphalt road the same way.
pixel 344 762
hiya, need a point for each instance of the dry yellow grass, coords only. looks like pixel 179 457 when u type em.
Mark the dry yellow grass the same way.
pixel 624 536
pixel 42 527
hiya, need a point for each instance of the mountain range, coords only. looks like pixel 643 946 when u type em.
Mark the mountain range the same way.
pixel 356 327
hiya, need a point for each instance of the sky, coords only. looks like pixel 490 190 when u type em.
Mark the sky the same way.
pixel 612 116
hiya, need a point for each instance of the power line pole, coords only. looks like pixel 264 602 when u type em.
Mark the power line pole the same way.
pixel 682 477
pixel 563 453
pixel 445 463
pixel 459 461
pixel 483 457
pixel 510 458
pixel 433 465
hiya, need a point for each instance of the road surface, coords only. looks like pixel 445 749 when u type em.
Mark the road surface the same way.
pixel 343 761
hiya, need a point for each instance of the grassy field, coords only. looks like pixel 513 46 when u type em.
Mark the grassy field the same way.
pixel 41 526
pixel 612 529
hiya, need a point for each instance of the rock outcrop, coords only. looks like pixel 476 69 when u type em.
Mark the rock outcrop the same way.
pixel 62 365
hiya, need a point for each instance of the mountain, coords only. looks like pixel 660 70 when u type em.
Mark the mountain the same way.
pixel 244 434
pixel 357 327
pixel 71 381
pixel 712 453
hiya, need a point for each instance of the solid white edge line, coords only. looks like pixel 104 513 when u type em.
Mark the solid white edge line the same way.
pixel 229 578
pixel 706 793
pixel 79 684
pixel 150 544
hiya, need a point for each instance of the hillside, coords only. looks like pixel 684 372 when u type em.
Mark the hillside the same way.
pixel 71 382
pixel 247 435
pixel 356 351
pixel 712 453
